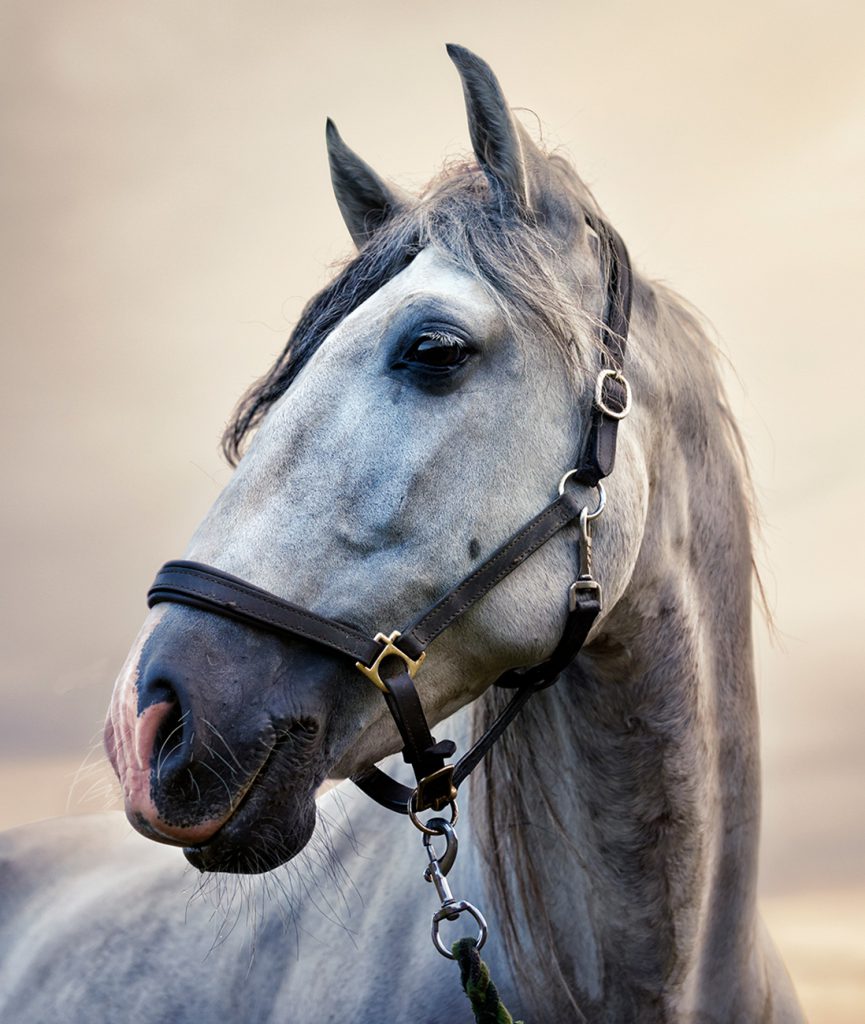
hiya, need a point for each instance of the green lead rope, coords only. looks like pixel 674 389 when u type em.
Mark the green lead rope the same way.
pixel 479 986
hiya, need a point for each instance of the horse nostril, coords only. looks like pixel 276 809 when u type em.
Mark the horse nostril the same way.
pixel 171 743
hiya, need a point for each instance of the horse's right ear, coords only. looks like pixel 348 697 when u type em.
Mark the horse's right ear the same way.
pixel 512 163
pixel 502 147
pixel 365 200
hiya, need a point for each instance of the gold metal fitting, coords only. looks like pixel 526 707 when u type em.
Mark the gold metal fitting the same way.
pixel 435 791
pixel 389 650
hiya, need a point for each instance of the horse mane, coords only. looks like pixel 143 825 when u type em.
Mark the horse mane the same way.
pixel 671 361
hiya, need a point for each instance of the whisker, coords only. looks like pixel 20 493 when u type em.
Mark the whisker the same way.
pixel 213 771
pixel 225 742
pixel 161 755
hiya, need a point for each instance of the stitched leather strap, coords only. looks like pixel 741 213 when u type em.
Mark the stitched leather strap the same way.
pixel 420 750
pixel 599 451
pixel 581 618
pixel 395 796
pixel 202 586
pixel 386 791
pixel 500 564
pixel 379 786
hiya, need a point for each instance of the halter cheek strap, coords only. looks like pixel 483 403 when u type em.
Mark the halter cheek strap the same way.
pixel 392 661
pixel 612 398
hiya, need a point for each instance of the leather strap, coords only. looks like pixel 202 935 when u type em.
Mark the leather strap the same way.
pixel 500 564
pixel 395 796
pixel 599 451
pixel 379 786
pixel 202 586
pixel 420 749
pixel 386 791
pixel 578 625
pixel 434 778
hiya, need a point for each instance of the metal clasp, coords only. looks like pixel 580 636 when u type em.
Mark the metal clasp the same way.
pixel 585 580
pixel 435 872
pixel 389 650
pixel 440 866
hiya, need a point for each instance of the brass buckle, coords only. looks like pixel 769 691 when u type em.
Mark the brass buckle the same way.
pixel 423 800
pixel 389 649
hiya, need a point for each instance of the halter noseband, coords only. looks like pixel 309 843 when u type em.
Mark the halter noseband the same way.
pixel 392 661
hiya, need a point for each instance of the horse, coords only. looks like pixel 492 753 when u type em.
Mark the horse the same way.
pixel 425 407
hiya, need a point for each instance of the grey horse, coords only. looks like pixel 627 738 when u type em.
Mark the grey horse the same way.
pixel 427 404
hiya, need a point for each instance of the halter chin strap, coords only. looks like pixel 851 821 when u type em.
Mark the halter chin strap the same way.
pixel 392 661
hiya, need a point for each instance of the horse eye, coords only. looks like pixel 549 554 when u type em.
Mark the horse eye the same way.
pixel 438 351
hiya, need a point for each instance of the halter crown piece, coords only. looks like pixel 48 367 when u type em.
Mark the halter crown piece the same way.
pixel 392 660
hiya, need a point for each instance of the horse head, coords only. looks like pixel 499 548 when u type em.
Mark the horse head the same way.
pixel 425 407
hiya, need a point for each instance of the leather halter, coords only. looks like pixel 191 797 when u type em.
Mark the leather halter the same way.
pixel 391 662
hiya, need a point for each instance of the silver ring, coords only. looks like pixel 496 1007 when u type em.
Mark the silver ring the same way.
pixel 415 820
pixel 614 414
pixel 451 913
pixel 599 487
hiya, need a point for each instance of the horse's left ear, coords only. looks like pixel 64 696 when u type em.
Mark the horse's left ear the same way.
pixel 365 200
pixel 502 146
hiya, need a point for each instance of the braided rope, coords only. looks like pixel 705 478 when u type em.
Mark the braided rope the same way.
pixel 478 986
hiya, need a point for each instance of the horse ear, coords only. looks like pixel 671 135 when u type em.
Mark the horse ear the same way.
pixel 365 200
pixel 501 145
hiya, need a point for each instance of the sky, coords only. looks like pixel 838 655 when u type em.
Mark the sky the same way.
pixel 166 212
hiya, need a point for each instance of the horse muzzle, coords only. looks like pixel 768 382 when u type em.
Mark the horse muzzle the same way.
pixel 217 745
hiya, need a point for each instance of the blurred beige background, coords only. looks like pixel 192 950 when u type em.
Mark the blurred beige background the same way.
pixel 166 211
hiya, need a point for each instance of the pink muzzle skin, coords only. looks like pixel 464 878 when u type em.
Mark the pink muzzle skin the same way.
pixel 129 739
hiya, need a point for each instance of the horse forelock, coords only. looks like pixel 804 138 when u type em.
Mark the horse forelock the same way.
pixel 533 273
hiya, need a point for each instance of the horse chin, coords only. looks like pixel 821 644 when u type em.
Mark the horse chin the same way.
pixel 266 830
pixel 272 822
pixel 231 851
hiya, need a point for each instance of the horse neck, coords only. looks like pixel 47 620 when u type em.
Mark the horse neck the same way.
pixel 622 812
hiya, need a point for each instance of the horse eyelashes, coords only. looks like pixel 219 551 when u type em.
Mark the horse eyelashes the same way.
pixel 437 350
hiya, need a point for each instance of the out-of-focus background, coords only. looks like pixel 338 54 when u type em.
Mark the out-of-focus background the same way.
pixel 166 211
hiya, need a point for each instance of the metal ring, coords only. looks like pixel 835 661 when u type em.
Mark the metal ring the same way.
pixel 415 820
pixel 599 487
pixel 451 913
pixel 614 414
